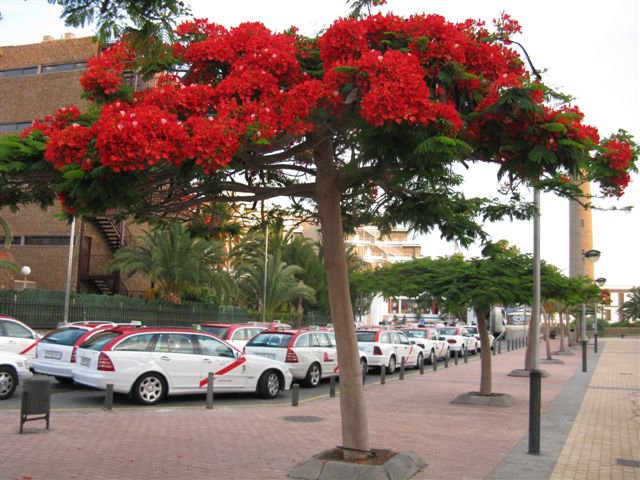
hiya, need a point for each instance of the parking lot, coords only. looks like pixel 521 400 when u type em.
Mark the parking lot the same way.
pixel 75 396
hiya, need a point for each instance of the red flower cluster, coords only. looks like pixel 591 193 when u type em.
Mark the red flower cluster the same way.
pixel 70 145
pixel 135 137
pixel 104 71
pixel 54 122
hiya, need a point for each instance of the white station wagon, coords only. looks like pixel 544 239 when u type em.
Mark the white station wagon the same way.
pixel 150 363
pixel 387 348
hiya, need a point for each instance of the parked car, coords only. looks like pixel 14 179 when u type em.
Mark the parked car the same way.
pixel 151 363
pixel 17 337
pixel 237 334
pixel 473 330
pixel 386 348
pixel 459 339
pixel 428 339
pixel 55 353
pixel 310 354
pixel 13 371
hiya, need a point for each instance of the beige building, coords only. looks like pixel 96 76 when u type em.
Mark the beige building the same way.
pixel 35 81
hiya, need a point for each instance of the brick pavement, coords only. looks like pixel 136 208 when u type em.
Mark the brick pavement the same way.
pixel 262 442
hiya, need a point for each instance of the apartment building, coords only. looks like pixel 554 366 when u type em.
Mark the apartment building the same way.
pixel 36 80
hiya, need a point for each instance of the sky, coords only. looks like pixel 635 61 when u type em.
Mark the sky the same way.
pixel 587 48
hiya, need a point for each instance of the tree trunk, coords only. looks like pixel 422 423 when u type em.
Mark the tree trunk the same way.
pixel 547 327
pixel 561 314
pixel 355 434
pixel 485 354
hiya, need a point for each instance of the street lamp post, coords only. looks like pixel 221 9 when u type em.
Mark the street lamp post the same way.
pixel 26 271
pixel 600 281
pixel 592 256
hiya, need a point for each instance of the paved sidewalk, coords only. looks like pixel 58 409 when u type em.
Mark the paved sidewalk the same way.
pixel 266 442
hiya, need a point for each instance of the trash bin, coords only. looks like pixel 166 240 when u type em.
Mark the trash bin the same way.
pixel 36 400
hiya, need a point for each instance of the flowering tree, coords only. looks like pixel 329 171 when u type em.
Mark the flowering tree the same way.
pixel 362 124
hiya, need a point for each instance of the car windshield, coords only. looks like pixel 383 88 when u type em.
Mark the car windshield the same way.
pixel 276 340
pixel 448 331
pixel 416 333
pixel 99 340
pixel 366 336
pixel 221 332
pixel 63 336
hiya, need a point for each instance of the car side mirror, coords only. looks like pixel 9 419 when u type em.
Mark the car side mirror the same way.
pixel 441 338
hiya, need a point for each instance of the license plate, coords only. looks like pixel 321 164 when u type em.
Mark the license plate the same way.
pixel 85 361
pixel 54 355
pixel 272 356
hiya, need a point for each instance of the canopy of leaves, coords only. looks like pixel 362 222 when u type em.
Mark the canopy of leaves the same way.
pixel 630 309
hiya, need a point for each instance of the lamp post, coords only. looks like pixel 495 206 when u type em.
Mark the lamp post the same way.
pixel 600 281
pixel 26 271
pixel 591 256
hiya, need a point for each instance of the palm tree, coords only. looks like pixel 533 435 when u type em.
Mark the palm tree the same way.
pixel 282 286
pixel 6 258
pixel 630 309
pixel 174 260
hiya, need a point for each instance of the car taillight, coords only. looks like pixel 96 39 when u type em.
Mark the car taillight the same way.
pixel 291 356
pixel 73 355
pixel 105 364
pixel 377 351
pixel 451 340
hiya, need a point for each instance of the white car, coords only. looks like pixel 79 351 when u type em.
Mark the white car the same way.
pixel 151 363
pixel 54 352
pixel 13 372
pixel 310 354
pixel 237 334
pixel 432 344
pixel 459 339
pixel 473 330
pixel 387 348
pixel 17 337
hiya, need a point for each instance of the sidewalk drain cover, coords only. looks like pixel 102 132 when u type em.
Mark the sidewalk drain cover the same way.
pixel 302 419
pixel 628 463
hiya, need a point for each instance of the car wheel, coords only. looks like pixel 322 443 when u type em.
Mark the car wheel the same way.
pixel 432 357
pixel 392 365
pixel 8 382
pixel 314 374
pixel 419 362
pixel 149 389
pixel 364 365
pixel 269 384
pixel 64 380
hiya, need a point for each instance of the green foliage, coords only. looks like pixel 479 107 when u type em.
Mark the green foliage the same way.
pixel 630 309
pixel 174 260
pixel 115 17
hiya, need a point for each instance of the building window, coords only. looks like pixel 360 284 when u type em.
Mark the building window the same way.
pixel 64 67
pixel 14 127
pixel 44 240
pixel 18 72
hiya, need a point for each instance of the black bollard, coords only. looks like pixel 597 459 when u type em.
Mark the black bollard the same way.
pixel 435 364
pixel 499 346
pixel 535 388
pixel 332 386
pixel 466 355
pixel 422 366
pixel 402 367
pixel 446 359
pixel 210 391
pixel 295 394
pixel 383 372
pixel 455 358
pixel 108 397
pixel 584 355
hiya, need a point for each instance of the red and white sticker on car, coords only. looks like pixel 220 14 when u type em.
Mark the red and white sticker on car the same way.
pixel 239 362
